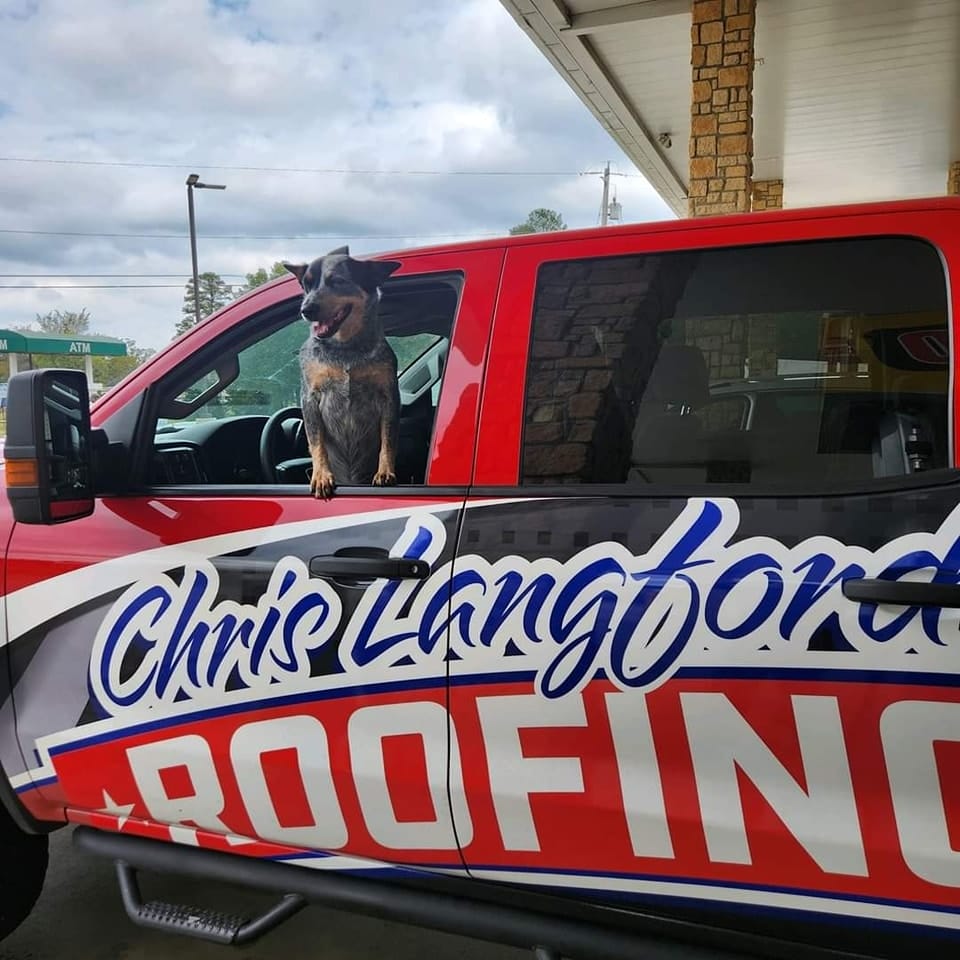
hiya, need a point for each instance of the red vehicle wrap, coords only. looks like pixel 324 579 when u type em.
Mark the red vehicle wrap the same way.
pixel 662 700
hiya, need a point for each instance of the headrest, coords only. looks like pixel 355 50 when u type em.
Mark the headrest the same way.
pixel 678 376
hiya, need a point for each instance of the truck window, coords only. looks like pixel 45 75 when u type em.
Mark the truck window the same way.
pixel 210 417
pixel 805 366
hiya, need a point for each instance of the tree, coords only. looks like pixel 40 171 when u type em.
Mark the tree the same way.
pixel 540 220
pixel 111 370
pixel 59 323
pixel 214 294
pixel 259 277
pixel 64 323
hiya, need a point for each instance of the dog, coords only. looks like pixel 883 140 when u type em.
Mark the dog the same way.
pixel 349 395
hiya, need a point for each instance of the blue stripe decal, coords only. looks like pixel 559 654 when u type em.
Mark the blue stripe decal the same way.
pixel 944 680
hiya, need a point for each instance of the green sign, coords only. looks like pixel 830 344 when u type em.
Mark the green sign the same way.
pixel 13 341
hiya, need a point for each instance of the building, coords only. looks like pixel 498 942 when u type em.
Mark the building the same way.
pixel 732 105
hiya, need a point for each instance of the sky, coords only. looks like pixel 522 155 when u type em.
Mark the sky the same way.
pixel 145 92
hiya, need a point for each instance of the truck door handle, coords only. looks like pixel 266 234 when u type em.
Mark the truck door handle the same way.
pixel 903 592
pixel 355 568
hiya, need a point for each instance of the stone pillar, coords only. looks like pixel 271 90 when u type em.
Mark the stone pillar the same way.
pixel 767 195
pixel 721 123
pixel 953 179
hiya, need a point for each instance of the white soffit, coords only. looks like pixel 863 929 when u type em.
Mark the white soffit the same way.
pixel 854 100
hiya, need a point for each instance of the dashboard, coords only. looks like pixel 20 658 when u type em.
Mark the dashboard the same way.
pixel 209 451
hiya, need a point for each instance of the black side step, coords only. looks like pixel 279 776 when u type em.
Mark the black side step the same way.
pixel 211 925
pixel 459 907
pixel 433 910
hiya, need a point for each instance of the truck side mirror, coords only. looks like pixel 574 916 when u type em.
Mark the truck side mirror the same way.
pixel 47 452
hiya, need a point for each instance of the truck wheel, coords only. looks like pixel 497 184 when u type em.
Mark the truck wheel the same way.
pixel 23 865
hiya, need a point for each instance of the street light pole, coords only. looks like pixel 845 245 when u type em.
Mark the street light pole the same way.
pixel 193 181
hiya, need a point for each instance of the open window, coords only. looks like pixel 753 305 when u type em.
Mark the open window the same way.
pixel 210 416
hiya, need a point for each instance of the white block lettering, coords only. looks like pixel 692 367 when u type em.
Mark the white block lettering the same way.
pixel 514 777
pixel 640 782
pixel 823 818
pixel 366 731
pixel 308 738
pixel 909 730
pixel 191 793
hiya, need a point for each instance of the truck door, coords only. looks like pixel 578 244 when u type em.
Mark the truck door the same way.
pixel 704 634
pixel 216 657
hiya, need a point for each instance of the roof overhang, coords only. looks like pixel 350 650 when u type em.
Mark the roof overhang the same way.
pixel 853 102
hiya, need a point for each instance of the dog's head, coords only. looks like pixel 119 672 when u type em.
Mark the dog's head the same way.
pixel 337 291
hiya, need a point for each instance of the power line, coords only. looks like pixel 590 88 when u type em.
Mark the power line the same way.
pixel 90 276
pixel 353 171
pixel 250 236
pixel 91 286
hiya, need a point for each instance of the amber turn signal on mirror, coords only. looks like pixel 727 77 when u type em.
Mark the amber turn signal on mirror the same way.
pixel 21 473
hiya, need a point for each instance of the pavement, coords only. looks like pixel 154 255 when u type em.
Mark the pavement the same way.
pixel 79 916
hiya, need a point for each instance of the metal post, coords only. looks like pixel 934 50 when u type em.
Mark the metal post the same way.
pixel 193 249
pixel 194 181
pixel 606 195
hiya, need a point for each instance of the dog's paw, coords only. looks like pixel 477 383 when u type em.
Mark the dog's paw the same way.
pixel 384 478
pixel 322 484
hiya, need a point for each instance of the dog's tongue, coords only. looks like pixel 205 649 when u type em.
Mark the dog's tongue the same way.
pixel 321 329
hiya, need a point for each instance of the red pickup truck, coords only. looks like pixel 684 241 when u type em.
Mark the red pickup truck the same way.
pixel 653 649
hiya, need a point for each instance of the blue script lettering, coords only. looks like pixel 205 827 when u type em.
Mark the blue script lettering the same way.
pixel 192 645
pixel 698 597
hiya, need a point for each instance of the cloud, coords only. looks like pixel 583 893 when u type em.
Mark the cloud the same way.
pixel 204 86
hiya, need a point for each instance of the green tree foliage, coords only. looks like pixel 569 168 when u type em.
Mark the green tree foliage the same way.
pixel 540 220
pixel 214 294
pixel 64 323
pixel 259 277
pixel 111 370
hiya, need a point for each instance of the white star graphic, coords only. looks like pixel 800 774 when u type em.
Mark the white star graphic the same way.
pixel 236 841
pixel 120 811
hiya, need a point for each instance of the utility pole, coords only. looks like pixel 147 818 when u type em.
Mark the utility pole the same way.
pixel 608 211
pixel 193 182
pixel 606 195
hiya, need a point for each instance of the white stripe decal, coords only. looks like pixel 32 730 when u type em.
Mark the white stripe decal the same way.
pixel 339 863
pixel 727 894
pixel 31 606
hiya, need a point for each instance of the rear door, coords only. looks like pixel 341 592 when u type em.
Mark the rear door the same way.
pixel 704 455
pixel 217 659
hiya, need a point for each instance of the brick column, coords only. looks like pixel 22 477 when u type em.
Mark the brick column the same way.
pixel 953 179
pixel 767 195
pixel 721 131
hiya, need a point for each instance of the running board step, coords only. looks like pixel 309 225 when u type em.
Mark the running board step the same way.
pixel 458 906
pixel 223 928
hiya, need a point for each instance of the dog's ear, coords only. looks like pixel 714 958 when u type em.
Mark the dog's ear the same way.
pixel 369 274
pixel 297 269
pixel 339 252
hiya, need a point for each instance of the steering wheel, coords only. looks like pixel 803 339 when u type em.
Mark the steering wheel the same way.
pixel 269 437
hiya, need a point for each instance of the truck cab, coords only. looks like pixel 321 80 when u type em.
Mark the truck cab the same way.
pixel 654 644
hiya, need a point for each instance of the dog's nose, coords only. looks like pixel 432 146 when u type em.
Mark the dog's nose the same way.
pixel 308 310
